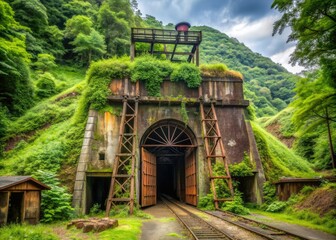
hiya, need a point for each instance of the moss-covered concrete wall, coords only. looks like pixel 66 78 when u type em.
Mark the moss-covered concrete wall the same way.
pixel 226 94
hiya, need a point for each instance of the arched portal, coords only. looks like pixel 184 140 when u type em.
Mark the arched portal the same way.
pixel 168 162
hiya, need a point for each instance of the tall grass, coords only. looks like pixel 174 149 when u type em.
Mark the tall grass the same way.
pixel 277 159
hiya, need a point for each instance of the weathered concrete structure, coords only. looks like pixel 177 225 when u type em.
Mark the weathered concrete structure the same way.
pixel 102 134
pixel 148 145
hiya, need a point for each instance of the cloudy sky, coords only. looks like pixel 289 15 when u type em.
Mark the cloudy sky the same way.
pixel 250 21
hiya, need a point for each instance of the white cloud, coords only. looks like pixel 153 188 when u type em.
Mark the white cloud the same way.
pixel 255 34
pixel 283 58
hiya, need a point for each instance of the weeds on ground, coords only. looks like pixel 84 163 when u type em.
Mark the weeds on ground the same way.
pixel 24 231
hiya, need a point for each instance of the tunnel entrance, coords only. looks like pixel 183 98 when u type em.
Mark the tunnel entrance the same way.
pixel 168 163
pixel 97 189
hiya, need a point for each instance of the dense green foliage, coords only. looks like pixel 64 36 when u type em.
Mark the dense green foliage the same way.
pixel 313 27
pixel 89 30
pixel 56 203
pixel 277 159
pixel 46 86
pixel 152 72
pixel 308 195
pixel 16 92
pixel 237 205
pixel 99 77
pixel 47 138
pixel 242 169
pixel 148 69
pixel 188 73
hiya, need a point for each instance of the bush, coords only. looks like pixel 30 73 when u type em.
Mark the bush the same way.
pixel 213 70
pixel 276 206
pixel 218 70
pixel 269 191
pixel 242 169
pixel 206 202
pixel 56 203
pixel 46 86
pixel 45 62
pixel 152 71
pixel 221 185
pixel 237 205
pixel 188 73
pixel 99 77
pixel 95 210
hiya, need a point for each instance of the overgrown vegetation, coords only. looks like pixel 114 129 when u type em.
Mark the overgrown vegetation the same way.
pixel 43 112
pixel 56 202
pixel 152 71
pixel 305 208
pixel 242 169
pixel 236 205
pixel 16 231
pixel 43 140
pixel 277 159
pixel 219 70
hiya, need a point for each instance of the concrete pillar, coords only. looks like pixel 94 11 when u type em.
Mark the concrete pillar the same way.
pixel 255 157
pixel 78 200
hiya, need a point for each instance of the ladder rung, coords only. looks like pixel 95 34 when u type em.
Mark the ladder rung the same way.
pixel 215 156
pixel 223 199
pixel 122 175
pixel 124 154
pixel 128 134
pixel 220 177
pixel 120 199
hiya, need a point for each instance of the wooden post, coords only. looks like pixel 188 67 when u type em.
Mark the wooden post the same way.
pixel 132 51
pixel 197 56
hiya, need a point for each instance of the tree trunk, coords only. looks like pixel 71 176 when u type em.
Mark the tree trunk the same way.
pixel 331 147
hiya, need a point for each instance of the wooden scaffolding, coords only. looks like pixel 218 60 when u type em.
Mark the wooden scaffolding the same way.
pixel 170 39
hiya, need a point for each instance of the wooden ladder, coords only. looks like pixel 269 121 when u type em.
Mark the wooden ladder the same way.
pixel 122 182
pixel 214 151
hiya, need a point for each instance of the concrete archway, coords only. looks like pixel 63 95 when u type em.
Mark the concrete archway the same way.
pixel 168 162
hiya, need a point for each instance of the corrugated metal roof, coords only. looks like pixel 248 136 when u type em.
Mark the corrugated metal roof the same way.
pixel 8 181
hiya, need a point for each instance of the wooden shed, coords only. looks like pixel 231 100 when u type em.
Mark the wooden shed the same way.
pixel 20 199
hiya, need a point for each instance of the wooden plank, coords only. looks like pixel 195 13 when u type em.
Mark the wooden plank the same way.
pixel 25 186
pixel 191 179
pixel 32 207
pixel 148 174
pixel 4 201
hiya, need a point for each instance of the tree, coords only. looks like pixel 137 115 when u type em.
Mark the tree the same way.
pixel 89 46
pixel 16 92
pixel 115 17
pixel 76 25
pixel 315 104
pixel 313 25
pixel 33 15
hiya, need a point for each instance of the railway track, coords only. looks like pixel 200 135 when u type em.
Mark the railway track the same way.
pixel 198 228
pixel 223 225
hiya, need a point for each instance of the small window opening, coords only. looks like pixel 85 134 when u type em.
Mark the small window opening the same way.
pixel 102 156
